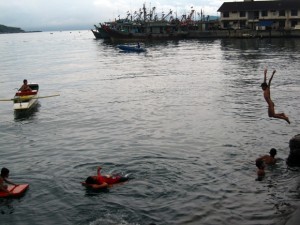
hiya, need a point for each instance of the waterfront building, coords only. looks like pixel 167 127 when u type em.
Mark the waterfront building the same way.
pixel 260 15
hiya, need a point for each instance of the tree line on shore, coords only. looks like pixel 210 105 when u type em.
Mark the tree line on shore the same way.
pixel 5 29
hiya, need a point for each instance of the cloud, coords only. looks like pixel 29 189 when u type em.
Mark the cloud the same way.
pixel 45 14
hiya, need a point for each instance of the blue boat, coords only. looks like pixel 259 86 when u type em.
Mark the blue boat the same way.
pixel 128 48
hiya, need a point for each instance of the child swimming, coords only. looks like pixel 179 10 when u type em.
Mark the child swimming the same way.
pixel 103 181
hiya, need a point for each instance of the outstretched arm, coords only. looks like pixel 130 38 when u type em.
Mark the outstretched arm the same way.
pixel 265 76
pixel 25 88
pixel 2 188
pixel 274 71
pixel 98 171
pixel 100 186
pixel 9 182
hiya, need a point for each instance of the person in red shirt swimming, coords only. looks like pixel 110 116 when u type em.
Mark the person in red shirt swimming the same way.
pixel 103 181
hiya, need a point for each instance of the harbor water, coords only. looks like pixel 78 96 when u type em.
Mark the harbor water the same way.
pixel 185 119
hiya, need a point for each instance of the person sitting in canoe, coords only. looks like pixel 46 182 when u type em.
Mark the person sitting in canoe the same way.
pixel 103 181
pixel 3 178
pixel 25 86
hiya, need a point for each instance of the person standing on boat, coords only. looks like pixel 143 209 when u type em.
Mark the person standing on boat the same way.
pixel 267 95
pixel 138 45
pixel 25 86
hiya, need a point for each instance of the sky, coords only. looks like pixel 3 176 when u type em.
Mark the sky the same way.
pixel 47 15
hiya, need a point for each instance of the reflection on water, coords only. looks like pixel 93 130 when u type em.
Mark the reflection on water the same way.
pixel 6 206
pixel 91 192
pixel 261 44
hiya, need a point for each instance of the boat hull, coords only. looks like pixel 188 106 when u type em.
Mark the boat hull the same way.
pixel 97 34
pixel 127 48
pixel 100 33
pixel 116 35
pixel 25 105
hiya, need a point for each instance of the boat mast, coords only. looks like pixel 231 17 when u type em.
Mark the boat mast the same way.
pixel 145 13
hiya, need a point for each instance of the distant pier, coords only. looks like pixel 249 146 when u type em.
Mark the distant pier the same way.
pixel 244 34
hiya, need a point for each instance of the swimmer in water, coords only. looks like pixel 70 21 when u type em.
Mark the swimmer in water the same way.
pixel 269 159
pixel 103 181
pixel 97 181
pixel 267 95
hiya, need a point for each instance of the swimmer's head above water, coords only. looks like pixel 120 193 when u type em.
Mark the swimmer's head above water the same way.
pixel 273 152
pixel 91 180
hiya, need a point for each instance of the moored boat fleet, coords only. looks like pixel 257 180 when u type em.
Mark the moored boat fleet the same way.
pixel 146 25
pixel 251 19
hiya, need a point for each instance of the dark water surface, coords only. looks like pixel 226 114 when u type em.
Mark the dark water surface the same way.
pixel 186 119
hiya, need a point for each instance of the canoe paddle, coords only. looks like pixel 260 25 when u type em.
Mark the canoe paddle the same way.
pixel 12 99
pixel 48 96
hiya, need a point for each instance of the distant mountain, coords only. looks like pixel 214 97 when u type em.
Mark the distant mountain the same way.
pixel 5 29
pixel 214 17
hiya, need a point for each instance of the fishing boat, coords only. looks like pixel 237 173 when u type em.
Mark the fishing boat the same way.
pixel 24 100
pixel 128 48
pixel 99 32
pixel 157 30
pixel 145 25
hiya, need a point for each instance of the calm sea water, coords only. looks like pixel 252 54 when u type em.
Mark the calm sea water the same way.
pixel 186 120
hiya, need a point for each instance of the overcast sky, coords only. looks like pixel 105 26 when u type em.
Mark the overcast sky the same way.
pixel 83 14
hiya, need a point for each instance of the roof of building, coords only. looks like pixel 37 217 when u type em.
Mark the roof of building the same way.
pixel 259 5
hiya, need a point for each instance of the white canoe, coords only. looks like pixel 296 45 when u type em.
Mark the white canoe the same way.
pixel 24 100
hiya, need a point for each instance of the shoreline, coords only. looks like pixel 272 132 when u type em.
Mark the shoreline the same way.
pixel 21 32
pixel 245 34
pixel 200 34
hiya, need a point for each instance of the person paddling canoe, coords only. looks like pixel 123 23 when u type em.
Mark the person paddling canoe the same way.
pixel 3 178
pixel 25 86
